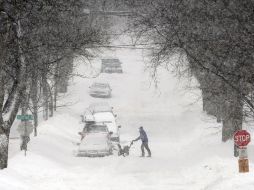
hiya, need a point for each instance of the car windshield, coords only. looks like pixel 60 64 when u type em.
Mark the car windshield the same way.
pixel 99 85
pixel 96 128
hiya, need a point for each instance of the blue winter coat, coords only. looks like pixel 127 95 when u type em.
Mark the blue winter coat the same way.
pixel 142 136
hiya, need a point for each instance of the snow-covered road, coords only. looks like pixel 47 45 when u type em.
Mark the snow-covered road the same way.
pixel 185 143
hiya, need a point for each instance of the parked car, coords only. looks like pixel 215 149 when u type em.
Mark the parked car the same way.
pixel 100 90
pixel 102 113
pixel 109 119
pixel 112 65
pixel 96 141
pixel 99 107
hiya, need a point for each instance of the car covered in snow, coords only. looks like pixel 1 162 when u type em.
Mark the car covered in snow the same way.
pixel 102 113
pixel 95 142
pixel 111 65
pixel 99 107
pixel 99 89
pixel 109 119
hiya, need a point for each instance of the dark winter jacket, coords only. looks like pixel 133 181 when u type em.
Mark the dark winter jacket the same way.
pixel 142 136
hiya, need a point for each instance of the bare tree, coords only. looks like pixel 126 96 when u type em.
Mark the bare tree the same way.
pixel 215 36
pixel 35 37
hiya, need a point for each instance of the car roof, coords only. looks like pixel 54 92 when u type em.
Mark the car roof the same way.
pixel 104 116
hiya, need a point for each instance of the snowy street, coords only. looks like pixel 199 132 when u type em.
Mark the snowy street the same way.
pixel 187 152
pixel 126 95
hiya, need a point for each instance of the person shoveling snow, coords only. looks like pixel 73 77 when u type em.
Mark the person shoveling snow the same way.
pixel 143 137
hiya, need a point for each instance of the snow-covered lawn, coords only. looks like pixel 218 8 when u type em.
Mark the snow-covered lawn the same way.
pixel 186 149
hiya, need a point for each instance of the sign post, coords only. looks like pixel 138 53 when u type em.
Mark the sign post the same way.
pixel 25 117
pixel 25 128
pixel 242 139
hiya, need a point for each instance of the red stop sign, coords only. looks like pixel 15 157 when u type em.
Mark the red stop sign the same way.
pixel 242 138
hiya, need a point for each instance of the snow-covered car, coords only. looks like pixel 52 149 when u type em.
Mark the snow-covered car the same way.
pixel 111 65
pixel 99 107
pixel 100 90
pixel 109 119
pixel 113 69
pixel 96 141
pixel 102 112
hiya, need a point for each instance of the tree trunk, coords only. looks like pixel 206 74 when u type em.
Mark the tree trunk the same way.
pixel 55 97
pixel 56 83
pixel 233 116
pixel 219 108
pixel 25 103
pixel 209 103
pixel 45 97
pixel 204 100
pixel 34 97
pixel 227 129
pixel 35 115
pixel 51 102
pixel 4 139
pixel 4 147
pixel 20 91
